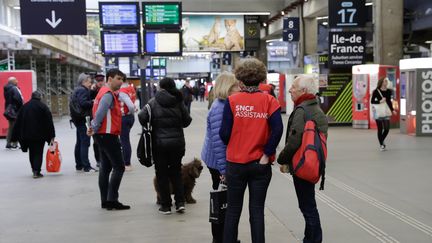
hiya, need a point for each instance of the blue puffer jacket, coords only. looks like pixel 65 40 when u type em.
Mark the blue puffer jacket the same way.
pixel 214 150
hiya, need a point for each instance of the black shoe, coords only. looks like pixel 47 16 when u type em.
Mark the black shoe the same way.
pixel 165 210
pixel 180 208
pixel 104 204
pixel 91 169
pixel 115 206
pixel 37 175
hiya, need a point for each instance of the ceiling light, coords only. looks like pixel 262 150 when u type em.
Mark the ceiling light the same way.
pixel 369 4
pixel 282 12
pixel 323 17
pixel 265 24
pixel 429 42
pixel 325 23
pixel 17 7
pixel 226 13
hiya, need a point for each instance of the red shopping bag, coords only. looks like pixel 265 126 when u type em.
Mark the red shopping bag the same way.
pixel 53 158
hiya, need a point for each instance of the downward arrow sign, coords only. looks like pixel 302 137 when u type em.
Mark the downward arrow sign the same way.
pixel 53 22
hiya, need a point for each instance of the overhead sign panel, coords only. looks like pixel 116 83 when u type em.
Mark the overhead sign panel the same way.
pixel 122 43
pixel 54 17
pixel 346 48
pixel 119 14
pixel 347 13
pixel 291 29
pixel 161 14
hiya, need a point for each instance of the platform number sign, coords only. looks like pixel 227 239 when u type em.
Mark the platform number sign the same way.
pixel 291 29
pixel 347 14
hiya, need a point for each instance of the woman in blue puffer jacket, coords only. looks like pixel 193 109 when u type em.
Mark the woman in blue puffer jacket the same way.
pixel 214 150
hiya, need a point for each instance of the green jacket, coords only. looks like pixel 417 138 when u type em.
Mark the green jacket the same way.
pixel 294 133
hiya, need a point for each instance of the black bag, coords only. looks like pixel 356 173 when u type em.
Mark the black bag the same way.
pixel 10 112
pixel 144 149
pixel 218 205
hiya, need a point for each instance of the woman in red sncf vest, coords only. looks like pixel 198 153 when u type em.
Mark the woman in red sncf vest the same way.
pixel 251 128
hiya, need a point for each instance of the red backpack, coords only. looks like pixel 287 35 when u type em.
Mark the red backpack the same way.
pixel 309 161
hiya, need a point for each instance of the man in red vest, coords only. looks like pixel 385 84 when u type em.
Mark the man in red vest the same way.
pixel 106 128
pixel 127 97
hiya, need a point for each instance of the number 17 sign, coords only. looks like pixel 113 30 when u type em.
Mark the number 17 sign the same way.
pixel 347 13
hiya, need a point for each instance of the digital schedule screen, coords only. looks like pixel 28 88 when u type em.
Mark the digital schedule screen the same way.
pixel 120 43
pixel 162 43
pixel 119 14
pixel 162 14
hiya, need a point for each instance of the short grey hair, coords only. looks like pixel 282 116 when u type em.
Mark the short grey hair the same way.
pixel 307 82
pixel 11 79
pixel 82 77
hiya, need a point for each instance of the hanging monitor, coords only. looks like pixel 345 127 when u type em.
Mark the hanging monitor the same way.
pixel 162 14
pixel 162 43
pixel 119 15
pixel 121 43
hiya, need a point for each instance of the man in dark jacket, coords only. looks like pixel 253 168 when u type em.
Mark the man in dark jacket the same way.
pixel 83 102
pixel 13 102
pixel 168 118
pixel 34 126
pixel 187 92
pixel 303 92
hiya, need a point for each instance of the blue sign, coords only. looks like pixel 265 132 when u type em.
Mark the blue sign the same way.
pixel 119 15
pixel 347 13
pixel 53 18
pixel 291 29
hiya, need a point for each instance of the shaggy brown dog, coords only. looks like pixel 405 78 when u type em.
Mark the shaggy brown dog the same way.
pixel 190 172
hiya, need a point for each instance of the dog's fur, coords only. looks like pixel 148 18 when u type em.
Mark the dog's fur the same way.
pixel 190 172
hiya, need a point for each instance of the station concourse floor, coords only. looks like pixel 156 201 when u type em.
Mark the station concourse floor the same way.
pixel 370 196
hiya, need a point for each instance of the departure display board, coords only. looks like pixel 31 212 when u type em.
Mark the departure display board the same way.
pixel 120 44
pixel 119 15
pixel 162 14
pixel 162 43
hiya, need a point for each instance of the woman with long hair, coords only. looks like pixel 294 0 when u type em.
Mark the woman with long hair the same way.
pixel 383 95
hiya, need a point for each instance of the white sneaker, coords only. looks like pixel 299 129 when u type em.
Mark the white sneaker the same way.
pixel 128 168
pixel 382 148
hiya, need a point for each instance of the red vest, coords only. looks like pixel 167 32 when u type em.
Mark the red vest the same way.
pixel 130 91
pixel 265 88
pixel 111 123
pixel 250 131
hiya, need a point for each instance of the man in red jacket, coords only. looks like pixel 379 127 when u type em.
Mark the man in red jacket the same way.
pixel 106 128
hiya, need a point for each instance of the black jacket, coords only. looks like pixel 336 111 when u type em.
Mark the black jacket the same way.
pixel 168 118
pixel 82 95
pixel 34 123
pixel 376 97
pixel 12 96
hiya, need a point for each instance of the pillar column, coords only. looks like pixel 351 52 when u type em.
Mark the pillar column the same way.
pixel 388 32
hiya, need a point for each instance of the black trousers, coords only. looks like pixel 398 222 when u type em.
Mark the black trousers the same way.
pixel 168 169
pixel 217 229
pixel 111 163
pixel 383 129
pixel 36 154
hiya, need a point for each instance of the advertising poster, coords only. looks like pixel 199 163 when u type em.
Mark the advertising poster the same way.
pixel 93 29
pixel 213 33
pixel 337 98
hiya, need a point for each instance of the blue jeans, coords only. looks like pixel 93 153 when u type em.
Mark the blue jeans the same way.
pixel 306 199
pixel 127 123
pixel 257 177
pixel 81 148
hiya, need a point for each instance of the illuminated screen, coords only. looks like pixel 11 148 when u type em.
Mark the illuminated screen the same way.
pixel 120 43
pixel 119 15
pixel 161 14
pixel 162 43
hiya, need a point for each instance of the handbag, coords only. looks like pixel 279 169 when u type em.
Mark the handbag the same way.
pixel 144 149
pixel 218 204
pixel 381 110
pixel 10 112
pixel 53 158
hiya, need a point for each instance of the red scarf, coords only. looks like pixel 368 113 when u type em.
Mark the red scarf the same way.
pixel 304 97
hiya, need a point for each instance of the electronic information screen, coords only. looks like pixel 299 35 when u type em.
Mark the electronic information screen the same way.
pixel 162 43
pixel 119 14
pixel 162 14
pixel 118 44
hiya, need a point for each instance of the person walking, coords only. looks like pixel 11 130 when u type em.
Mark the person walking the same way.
pixel 187 95
pixel 34 126
pixel 383 95
pixel 127 97
pixel 168 118
pixel 251 128
pixel 303 92
pixel 105 129
pixel 214 150
pixel 80 106
pixel 13 102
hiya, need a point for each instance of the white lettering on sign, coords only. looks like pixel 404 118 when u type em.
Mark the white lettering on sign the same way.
pixel 247 111
pixel 354 39
pixel 426 103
